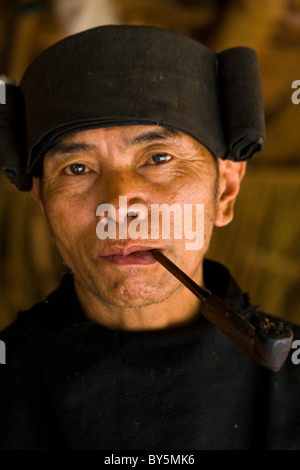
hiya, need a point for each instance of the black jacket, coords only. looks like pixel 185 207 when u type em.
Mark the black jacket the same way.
pixel 71 384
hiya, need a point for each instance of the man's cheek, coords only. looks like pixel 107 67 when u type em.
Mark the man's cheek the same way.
pixel 67 216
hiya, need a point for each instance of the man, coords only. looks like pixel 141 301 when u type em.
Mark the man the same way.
pixel 119 356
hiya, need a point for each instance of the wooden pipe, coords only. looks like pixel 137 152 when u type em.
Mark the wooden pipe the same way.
pixel 268 343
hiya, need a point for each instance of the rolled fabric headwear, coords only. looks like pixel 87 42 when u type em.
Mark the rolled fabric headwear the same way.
pixel 130 75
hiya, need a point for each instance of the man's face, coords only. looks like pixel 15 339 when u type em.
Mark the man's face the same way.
pixel 147 164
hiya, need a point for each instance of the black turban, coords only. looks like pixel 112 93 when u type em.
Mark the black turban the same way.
pixel 127 75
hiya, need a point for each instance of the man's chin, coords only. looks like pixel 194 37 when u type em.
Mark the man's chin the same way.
pixel 137 296
pixel 126 293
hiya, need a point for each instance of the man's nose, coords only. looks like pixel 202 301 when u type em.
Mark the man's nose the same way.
pixel 124 195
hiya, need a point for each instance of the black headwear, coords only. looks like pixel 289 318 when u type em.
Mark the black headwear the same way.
pixel 126 75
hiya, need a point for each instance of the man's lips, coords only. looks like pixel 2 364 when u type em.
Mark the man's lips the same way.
pixel 138 257
pixel 128 255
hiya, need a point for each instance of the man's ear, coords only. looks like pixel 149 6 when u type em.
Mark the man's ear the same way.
pixel 36 192
pixel 230 176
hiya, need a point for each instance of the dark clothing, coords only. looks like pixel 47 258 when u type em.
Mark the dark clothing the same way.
pixel 72 384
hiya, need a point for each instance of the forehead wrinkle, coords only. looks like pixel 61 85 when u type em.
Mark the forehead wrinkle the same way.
pixel 63 148
pixel 148 136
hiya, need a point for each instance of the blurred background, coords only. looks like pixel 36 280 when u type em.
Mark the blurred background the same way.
pixel 261 246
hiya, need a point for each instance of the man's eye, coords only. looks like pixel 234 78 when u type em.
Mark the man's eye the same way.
pixel 76 169
pixel 158 159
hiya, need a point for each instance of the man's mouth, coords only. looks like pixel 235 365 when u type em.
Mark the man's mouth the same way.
pixel 130 255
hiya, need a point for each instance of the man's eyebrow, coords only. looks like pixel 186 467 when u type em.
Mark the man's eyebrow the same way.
pixel 69 147
pixel 162 133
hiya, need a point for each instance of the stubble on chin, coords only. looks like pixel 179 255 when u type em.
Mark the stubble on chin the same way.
pixel 127 293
